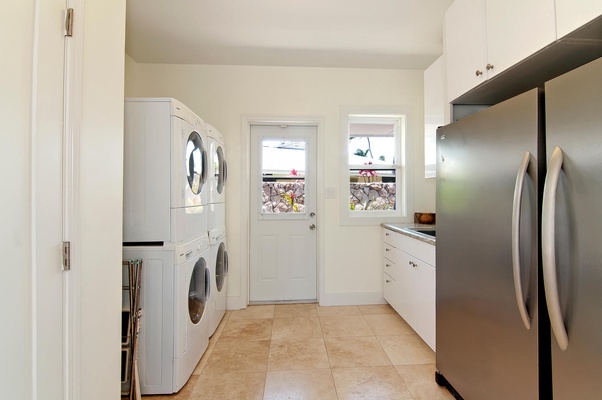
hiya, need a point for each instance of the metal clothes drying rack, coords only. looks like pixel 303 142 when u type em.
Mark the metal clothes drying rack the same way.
pixel 132 274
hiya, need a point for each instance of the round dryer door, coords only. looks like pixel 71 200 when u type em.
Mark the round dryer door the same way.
pixel 196 163
pixel 198 291
pixel 219 164
pixel 220 267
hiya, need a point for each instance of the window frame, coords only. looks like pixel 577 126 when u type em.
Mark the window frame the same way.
pixel 401 165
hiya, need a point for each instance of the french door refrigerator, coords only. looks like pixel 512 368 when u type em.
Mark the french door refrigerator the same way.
pixel 519 236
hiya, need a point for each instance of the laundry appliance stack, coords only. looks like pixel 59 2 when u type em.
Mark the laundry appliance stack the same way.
pixel 217 226
pixel 166 195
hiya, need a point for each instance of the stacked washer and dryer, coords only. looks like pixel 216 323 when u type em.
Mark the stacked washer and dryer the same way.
pixel 168 178
pixel 217 225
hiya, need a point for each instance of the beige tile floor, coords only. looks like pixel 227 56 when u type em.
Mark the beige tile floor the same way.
pixel 308 352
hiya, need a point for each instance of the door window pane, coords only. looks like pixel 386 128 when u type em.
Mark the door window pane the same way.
pixel 283 167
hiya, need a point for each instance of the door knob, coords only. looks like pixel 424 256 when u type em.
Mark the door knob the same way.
pixel 312 214
pixel 312 227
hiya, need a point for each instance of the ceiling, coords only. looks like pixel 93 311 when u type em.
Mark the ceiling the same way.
pixel 398 34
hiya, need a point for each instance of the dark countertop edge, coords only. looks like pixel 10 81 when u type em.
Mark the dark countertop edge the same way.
pixel 403 229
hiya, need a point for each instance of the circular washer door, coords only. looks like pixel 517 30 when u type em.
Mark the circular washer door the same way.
pixel 220 267
pixel 196 170
pixel 197 291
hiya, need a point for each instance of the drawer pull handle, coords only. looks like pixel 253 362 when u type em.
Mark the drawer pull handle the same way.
pixel 413 264
pixel 387 281
pixel 387 249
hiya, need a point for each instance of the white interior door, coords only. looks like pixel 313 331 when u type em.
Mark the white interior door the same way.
pixel 283 213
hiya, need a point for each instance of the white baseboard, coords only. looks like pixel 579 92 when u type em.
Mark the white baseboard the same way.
pixel 351 299
pixel 326 299
pixel 235 303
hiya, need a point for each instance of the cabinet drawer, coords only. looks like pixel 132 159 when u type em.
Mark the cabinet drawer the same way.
pixel 391 291
pixel 391 268
pixel 416 248
pixel 389 236
pixel 390 252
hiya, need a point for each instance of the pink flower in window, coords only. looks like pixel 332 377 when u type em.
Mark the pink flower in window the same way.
pixel 368 174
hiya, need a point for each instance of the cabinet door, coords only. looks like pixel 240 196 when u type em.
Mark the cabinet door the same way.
pixel 424 305
pixel 571 14
pixel 465 46
pixel 436 112
pixel 517 29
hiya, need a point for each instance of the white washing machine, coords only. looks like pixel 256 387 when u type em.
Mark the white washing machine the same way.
pixel 219 268
pixel 175 294
pixel 218 167
pixel 165 172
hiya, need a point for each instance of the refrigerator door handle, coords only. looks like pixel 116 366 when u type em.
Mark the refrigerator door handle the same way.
pixel 516 268
pixel 548 247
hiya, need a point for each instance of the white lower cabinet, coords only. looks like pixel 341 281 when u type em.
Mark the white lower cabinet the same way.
pixel 409 282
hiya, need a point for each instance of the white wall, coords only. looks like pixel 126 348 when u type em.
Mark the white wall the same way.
pixel 101 199
pixel 16 34
pixel 222 95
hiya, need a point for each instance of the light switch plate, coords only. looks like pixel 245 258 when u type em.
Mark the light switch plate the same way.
pixel 331 193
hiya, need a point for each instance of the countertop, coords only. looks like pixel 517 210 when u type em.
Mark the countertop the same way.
pixel 403 229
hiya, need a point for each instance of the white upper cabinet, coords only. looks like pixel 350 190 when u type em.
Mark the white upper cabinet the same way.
pixel 436 110
pixel 485 37
pixel 571 14
pixel 465 46
pixel 516 29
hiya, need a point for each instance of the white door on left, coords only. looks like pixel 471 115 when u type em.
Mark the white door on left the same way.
pixel 32 39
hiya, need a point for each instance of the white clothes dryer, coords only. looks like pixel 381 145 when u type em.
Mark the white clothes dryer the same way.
pixel 175 322
pixel 165 172
pixel 219 268
pixel 216 217
pixel 218 167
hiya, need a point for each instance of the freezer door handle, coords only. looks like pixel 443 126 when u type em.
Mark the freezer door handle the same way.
pixel 516 267
pixel 548 248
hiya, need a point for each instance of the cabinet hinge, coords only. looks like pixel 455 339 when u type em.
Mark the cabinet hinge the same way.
pixel 66 256
pixel 69 22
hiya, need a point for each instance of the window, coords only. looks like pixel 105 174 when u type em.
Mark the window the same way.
pixel 283 167
pixel 375 167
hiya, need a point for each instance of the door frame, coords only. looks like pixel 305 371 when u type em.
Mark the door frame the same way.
pixel 73 100
pixel 245 214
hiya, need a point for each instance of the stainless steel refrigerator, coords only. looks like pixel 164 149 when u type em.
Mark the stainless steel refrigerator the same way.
pixel 519 233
